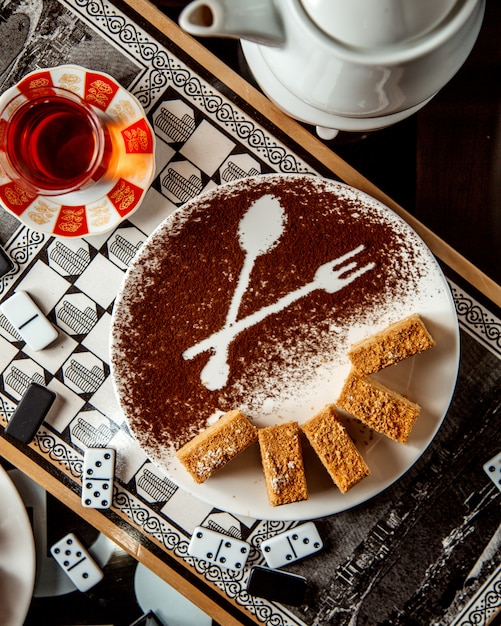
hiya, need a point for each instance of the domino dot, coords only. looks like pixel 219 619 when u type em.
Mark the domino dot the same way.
pixel 90 472
pixel 291 545
pixel 107 456
pixel 77 563
pixel 106 486
pixel 88 501
pixel 98 463
pixel 215 547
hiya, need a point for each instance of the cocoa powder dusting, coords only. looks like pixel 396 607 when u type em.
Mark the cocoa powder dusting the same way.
pixel 179 289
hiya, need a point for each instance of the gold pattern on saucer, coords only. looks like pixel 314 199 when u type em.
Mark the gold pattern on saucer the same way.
pixel 17 196
pixel 99 214
pixel 70 82
pixel 123 111
pixel 71 219
pixel 123 196
pixel 39 82
pixel 9 110
pixel 99 92
pixel 136 140
pixel 42 213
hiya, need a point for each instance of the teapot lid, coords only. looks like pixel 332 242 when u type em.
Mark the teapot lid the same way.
pixel 377 23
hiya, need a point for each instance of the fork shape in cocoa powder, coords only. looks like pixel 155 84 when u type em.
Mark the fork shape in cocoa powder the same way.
pixel 331 277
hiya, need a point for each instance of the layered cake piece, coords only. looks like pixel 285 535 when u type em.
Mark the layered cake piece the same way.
pixel 282 460
pixel 393 344
pixel 335 448
pixel 380 408
pixel 218 444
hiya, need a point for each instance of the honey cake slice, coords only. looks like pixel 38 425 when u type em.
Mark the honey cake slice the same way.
pixel 218 444
pixel 282 459
pixel 335 448
pixel 391 345
pixel 382 409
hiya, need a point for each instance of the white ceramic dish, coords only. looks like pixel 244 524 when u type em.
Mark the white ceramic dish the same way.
pixel 360 65
pixel 428 378
pixel 17 555
pixel 168 604
pixel 103 206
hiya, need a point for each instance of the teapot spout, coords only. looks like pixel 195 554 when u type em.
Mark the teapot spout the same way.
pixel 254 20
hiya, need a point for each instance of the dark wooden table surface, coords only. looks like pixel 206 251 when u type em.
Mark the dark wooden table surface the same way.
pixel 443 165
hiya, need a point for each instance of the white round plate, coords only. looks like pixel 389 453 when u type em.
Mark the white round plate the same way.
pixel 168 604
pixel 312 342
pixel 103 206
pixel 17 555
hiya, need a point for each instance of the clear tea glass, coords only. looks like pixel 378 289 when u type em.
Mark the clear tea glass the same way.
pixel 52 142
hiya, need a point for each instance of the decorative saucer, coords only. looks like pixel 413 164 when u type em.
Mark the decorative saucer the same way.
pixel 104 205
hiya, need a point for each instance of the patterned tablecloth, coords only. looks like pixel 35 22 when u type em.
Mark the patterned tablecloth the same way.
pixel 425 551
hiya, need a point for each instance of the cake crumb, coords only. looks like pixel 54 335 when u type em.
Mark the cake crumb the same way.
pixel 382 409
pixel 395 343
pixel 282 460
pixel 218 444
pixel 335 448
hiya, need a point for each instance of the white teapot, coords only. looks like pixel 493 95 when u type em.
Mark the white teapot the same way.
pixel 353 65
